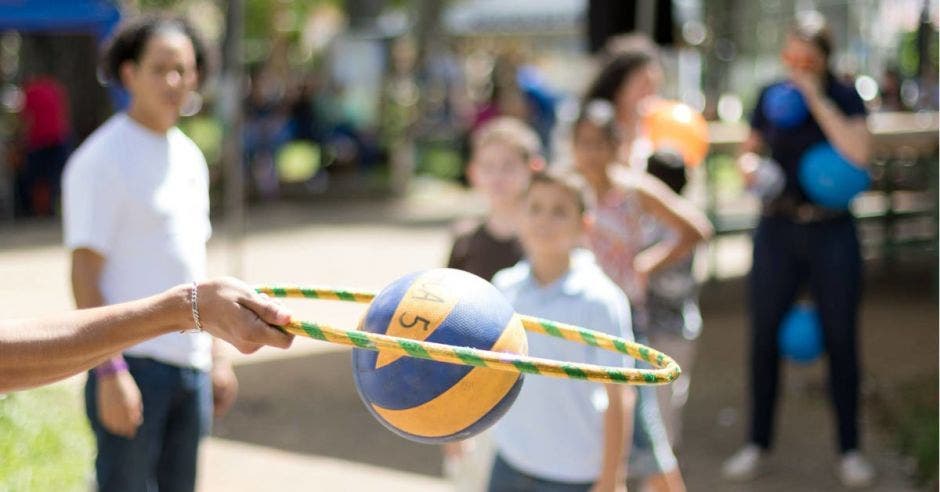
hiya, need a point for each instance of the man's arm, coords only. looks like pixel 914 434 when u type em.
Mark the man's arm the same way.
pixel 120 404
pixel 87 265
pixel 86 274
pixel 43 350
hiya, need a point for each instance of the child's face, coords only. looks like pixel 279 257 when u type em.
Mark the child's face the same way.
pixel 593 150
pixel 552 223
pixel 500 172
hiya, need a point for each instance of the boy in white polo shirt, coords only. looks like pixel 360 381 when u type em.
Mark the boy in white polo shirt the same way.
pixel 136 218
pixel 563 434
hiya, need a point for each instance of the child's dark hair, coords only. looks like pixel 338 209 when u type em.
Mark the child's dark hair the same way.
pixel 130 40
pixel 668 166
pixel 600 113
pixel 618 68
pixel 570 181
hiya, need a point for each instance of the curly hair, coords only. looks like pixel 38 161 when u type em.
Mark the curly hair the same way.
pixel 131 38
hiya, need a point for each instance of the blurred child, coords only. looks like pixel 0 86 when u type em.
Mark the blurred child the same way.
pixel 625 199
pixel 504 153
pixel 674 319
pixel 563 434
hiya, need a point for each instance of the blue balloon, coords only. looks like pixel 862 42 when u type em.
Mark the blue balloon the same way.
pixel 800 336
pixel 829 179
pixel 784 106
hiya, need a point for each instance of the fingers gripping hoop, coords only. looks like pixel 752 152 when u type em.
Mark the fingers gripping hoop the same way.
pixel 665 369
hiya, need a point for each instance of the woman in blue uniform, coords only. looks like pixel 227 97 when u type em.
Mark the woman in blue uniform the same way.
pixel 802 245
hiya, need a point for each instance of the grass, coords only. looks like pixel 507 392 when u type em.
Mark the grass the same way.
pixel 916 427
pixel 908 410
pixel 45 441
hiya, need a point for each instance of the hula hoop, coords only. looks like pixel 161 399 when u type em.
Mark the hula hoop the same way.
pixel 666 370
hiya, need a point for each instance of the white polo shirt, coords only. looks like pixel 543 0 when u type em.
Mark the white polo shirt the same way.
pixel 141 200
pixel 554 430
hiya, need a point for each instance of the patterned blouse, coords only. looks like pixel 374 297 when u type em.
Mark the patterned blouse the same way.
pixel 616 237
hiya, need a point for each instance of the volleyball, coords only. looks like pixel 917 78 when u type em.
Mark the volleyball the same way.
pixel 429 401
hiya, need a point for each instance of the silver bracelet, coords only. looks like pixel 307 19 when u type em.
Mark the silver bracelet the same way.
pixel 194 302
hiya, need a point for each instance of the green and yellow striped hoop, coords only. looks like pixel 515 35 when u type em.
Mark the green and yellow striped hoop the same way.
pixel 665 369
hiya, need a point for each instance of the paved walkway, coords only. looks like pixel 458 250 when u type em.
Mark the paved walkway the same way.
pixel 299 424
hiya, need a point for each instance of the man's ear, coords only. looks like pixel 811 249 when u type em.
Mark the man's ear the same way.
pixel 126 73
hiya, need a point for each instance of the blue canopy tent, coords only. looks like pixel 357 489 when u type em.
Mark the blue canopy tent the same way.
pixel 97 18
pixel 91 16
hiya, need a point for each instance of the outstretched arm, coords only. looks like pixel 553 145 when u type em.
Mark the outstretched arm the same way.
pixel 42 350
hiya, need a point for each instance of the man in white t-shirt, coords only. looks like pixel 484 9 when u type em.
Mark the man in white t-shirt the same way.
pixel 136 219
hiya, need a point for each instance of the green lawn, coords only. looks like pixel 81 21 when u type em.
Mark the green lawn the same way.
pixel 45 442
pixel 916 428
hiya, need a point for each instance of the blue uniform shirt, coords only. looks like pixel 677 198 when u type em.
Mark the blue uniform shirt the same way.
pixel 787 145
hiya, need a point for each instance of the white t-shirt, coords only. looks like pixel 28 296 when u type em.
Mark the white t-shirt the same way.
pixel 555 428
pixel 141 200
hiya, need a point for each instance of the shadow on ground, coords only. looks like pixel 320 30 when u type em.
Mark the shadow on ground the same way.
pixel 309 404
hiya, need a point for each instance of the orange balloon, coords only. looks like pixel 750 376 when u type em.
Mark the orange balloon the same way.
pixel 672 124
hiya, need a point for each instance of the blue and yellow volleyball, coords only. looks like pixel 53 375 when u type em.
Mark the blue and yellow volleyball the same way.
pixel 429 401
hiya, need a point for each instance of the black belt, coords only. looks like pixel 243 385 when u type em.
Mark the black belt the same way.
pixel 802 212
